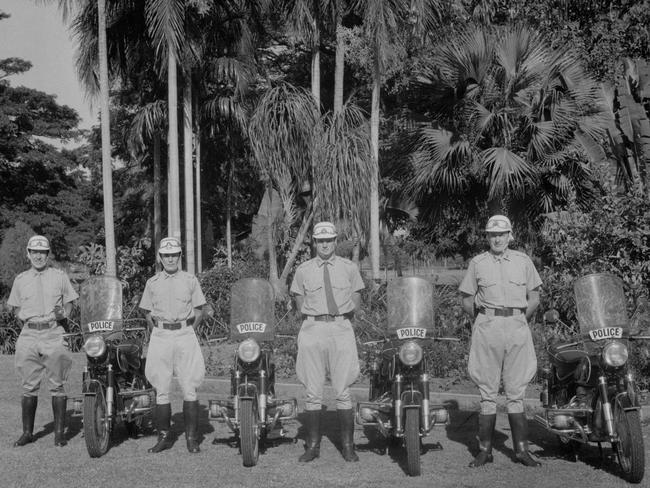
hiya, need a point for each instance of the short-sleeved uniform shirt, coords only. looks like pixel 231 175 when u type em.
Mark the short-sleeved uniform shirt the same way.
pixel 500 281
pixel 308 282
pixel 172 297
pixel 36 293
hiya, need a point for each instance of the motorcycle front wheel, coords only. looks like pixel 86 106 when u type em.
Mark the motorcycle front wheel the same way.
pixel 412 441
pixel 248 432
pixel 96 426
pixel 629 448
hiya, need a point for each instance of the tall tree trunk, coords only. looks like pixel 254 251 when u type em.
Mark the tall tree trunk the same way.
pixel 199 240
pixel 188 176
pixel 270 238
pixel 374 182
pixel 174 216
pixel 315 65
pixel 339 68
pixel 231 174
pixel 157 197
pixel 107 168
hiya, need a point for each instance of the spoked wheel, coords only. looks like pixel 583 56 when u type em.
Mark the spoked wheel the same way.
pixel 629 448
pixel 412 441
pixel 249 433
pixel 96 426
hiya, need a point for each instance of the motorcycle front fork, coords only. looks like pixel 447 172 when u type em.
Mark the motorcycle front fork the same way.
pixel 110 393
pixel 607 406
pixel 398 389
pixel 261 404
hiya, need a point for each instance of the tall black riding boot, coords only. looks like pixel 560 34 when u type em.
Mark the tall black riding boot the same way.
pixel 486 425
pixel 312 441
pixel 346 421
pixel 59 404
pixel 163 421
pixel 519 427
pixel 28 404
pixel 191 418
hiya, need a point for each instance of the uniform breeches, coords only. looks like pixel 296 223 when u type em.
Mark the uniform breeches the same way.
pixel 502 347
pixel 327 347
pixel 42 354
pixel 174 352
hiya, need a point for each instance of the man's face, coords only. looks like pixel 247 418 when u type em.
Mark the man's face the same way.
pixel 498 242
pixel 325 247
pixel 38 259
pixel 170 261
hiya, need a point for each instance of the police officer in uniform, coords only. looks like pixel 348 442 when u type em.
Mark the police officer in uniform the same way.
pixel 326 289
pixel 174 301
pixel 42 297
pixel 501 290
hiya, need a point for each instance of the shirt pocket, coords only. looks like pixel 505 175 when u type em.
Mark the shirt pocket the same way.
pixel 312 285
pixel 486 282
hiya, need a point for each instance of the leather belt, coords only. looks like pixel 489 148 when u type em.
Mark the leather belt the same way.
pixel 330 318
pixel 502 312
pixel 39 325
pixel 175 325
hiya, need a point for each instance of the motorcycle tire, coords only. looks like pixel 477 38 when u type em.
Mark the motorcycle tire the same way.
pixel 96 427
pixel 249 440
pixel 412 441
pixel 630 450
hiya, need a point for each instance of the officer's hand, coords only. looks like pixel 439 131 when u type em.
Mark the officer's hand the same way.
pixel 59 313
pixel 360 314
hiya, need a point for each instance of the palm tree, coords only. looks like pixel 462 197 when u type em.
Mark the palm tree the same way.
pixel 165 20
pixel 509 119
pixel 281 132
pixel 68 7
pixel 382 23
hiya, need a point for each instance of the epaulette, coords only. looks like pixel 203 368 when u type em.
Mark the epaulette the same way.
pixel 518 253
pixel 482 256
pixel 21 274
pixel 345 260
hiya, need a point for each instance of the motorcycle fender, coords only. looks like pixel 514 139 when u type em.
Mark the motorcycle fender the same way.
pixel 411 398
pixel 91 387
pixel 247 390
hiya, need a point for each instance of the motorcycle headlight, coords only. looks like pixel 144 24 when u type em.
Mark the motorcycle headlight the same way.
pixel 249 350
pixel 615 354
pixel 410 353
pixel 95 346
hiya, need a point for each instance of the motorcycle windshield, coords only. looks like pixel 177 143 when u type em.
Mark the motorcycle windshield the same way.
pixel 600 305
pixel 100 301
pixel 410 307
pixel 252 310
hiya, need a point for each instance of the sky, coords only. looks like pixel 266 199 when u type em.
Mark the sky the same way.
pixel 36 33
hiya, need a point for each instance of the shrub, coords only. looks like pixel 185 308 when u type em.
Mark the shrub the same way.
pixel 13 255
pixel 613 237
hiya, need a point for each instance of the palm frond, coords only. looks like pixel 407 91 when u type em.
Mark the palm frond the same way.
pixel 507 171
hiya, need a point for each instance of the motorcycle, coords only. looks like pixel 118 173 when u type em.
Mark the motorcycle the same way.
pixel 398 403
pixel 252 411
pixel 114 386
pixel 589 394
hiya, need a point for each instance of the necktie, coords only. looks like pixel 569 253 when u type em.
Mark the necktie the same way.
pixel 332 309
